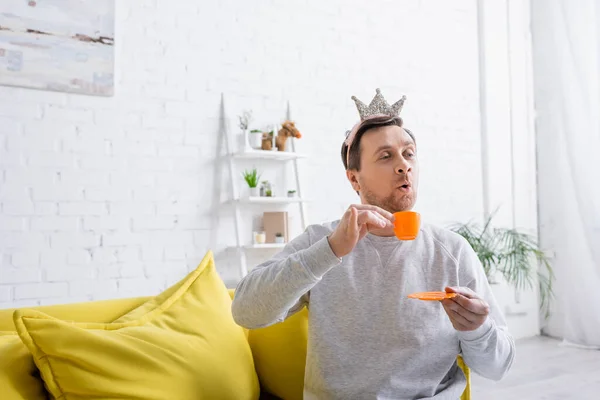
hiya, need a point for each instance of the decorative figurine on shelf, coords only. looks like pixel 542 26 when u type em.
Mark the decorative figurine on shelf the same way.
pixel 288 129
pixel 267 141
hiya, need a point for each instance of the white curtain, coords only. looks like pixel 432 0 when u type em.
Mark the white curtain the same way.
pixel 566 59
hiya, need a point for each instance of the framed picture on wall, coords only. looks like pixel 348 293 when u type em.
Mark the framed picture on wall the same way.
pixel 60 45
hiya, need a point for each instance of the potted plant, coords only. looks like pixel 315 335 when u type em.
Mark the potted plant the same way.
pixel 279 238
pixel 291 193
pixel 255 138
pixel 252 177
pixel 509 253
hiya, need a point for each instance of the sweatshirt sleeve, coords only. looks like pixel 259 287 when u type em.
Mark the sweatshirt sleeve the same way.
pixel 490 349
pixel 279 287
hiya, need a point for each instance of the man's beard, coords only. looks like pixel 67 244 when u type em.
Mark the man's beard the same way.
pixel 393 203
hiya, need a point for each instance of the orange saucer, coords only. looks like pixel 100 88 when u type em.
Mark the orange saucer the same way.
pixel 431 296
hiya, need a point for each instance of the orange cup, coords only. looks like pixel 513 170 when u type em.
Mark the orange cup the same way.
pixel 407 224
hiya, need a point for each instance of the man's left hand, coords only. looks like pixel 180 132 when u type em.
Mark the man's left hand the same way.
pixel 467 311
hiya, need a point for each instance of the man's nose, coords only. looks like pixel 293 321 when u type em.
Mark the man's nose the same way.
pixel 403 167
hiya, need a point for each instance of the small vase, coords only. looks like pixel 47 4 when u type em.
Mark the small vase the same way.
pixel 254 191
pixel 260 237
pixel 279 239
pixel 256 140
pixel 245 141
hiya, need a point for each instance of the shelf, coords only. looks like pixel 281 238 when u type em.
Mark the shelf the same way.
pixel 266 246
pixel 271 200
pixel 268 155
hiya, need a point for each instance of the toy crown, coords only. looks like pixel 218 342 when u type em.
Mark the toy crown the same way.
pixel 378 106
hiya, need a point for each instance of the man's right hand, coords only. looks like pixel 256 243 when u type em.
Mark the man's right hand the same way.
pixel 354 225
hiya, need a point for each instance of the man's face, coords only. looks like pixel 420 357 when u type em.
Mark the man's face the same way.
pixel 389 173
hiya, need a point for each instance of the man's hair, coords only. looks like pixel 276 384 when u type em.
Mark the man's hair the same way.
pixel 351 156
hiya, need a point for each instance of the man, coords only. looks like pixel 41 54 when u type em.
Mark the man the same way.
pixel 367 340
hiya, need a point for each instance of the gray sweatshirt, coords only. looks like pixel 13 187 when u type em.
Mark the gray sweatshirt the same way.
pixel 367 340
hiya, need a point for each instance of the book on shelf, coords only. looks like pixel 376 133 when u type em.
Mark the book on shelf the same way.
pixel 275 222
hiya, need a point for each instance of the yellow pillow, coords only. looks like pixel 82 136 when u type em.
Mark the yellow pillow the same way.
pixel 182 344
pixel 280 355
pixel 19 377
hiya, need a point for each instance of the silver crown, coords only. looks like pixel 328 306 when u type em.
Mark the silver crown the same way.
pixel 378 106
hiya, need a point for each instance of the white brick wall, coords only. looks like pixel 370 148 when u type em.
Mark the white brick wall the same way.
pixel 109 197
pixel 40 290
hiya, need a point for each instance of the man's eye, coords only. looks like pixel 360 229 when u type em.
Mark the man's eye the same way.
pixel 385 155
pixel 410 155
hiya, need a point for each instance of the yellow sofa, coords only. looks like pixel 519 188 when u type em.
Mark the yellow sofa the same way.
pixel 278 352
pixel 269 345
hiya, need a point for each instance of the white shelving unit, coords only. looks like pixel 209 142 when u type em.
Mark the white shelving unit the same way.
pixel 239 202
pixel 265 246
pixel 269 200
pixel 268 155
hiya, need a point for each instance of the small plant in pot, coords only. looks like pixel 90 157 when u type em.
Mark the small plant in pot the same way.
pixel 279 238
pixel 255 137
pixel 252 177
pixel 291 193
pixel 265 189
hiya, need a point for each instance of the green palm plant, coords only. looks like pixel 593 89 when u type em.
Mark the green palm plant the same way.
pixel 510 253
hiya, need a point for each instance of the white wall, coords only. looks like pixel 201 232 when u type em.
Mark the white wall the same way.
pixel 114 197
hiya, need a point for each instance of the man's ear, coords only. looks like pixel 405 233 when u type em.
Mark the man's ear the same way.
pixel 352 176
